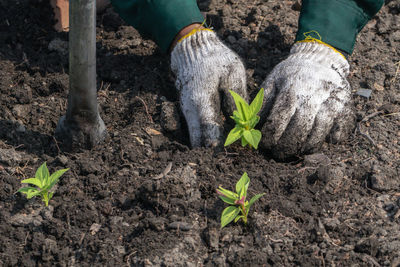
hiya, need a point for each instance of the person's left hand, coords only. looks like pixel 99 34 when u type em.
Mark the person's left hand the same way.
pixel 307 98
pixel 206 69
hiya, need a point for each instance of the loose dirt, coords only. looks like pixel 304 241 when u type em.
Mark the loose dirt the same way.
pixel 145 198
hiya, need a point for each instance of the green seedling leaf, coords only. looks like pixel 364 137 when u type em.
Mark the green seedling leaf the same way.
pixel 245 107
pixel 238 218
pixel 239 205
pixel 254 121
pixel 228 215
pixel 236 117
pixel 26 189
pixel 53 179
pixel 242 185
pixel 246 119
pixel 249 138
pixel 225 198
pixel 32 194
pixel 233 135
pixel 244 142
pixel 256 134
pixel 241 105
pixel 43 181
pixel 256 105
pixel 252 200
pixel 34 181
pixel 42 174
pixel 57 174
pixel 29 191
pixel 227 193
pixel 228 200
pixel 253 137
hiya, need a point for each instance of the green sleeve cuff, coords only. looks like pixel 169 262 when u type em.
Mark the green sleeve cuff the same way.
pixel 159 20
pixel 337 22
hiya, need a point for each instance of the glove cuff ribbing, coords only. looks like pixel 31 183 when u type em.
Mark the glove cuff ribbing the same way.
pixel 197 46
pixel 322 54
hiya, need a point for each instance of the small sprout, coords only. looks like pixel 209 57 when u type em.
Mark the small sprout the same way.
pixel 44 181
pixel 240 207
pixel 246 119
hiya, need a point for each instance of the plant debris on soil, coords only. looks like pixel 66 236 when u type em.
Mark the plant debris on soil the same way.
pixel 145 198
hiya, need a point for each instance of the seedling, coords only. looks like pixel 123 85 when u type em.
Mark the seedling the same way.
pixel 246 119
pixel 44 181
pixel 240 207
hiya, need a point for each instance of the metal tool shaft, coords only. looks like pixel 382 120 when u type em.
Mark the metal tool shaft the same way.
pixel 82 125
pixel 82 99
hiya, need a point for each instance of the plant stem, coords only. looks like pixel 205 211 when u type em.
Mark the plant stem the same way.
pixel 46 199
pixel 243 210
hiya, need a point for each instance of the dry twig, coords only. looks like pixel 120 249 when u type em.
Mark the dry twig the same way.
pixel 128 258
pixel 58 148
pixel 147 110
pixel 164 173
pixel 325 234
pixel 368 258
pixel 396 73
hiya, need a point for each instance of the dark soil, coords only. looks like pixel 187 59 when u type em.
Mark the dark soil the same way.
pixel 113 208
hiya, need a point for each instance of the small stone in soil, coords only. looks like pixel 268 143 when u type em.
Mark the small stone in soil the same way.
pixel 25 219
pixel 120 249
pixel 116 219
pixel 94 228
pixel 364 92
pixel 62 159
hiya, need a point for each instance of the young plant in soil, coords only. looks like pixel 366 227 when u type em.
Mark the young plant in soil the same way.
pixel 240 206
pixel 44 181
pixel 246 119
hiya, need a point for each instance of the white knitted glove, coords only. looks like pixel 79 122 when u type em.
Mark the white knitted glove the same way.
pixel 205 70
pixel 307 99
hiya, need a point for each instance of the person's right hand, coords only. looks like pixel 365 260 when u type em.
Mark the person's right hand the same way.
pixel 307 99
pixel 206 70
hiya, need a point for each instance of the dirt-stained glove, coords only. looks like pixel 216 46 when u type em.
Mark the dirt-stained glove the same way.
pixel 307 99
pixel 205 70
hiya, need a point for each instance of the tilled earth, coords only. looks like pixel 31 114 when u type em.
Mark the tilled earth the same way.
pixel 145 198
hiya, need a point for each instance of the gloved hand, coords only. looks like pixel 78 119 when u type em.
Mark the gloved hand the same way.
pixel 307 99
pixel 205 70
